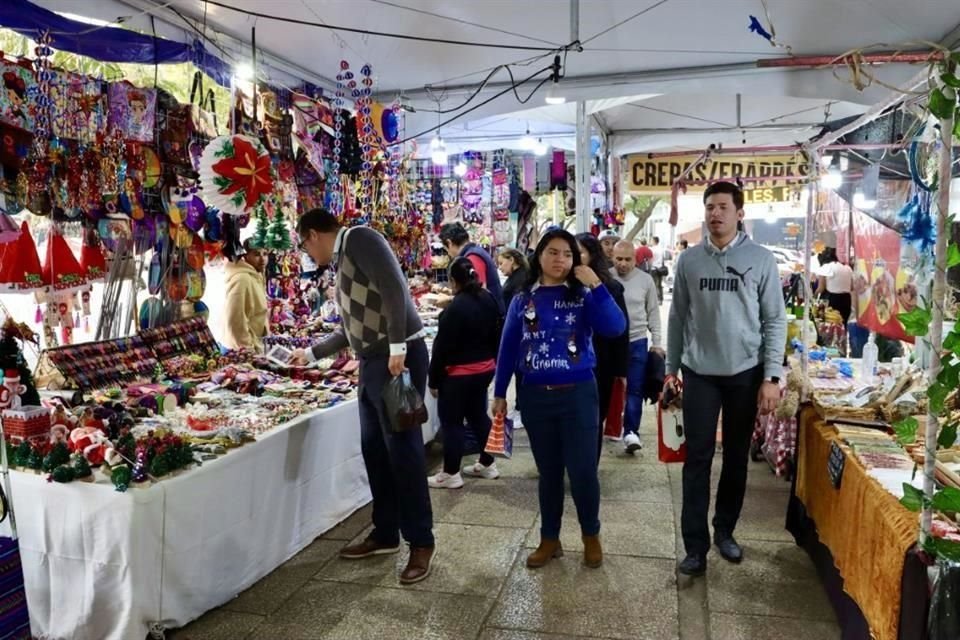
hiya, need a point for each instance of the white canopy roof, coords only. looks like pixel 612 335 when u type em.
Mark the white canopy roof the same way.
pixel 656 74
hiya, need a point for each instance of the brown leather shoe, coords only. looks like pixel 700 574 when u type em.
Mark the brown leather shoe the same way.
pixel 547 551
pixel 592 551
pixel 369 547
pixel 418 567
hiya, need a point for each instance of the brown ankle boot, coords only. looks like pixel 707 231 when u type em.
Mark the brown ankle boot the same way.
pixel 592 551
pixel 547 550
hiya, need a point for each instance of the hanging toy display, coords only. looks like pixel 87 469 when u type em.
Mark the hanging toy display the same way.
pixel 333 179
pixel 63 277
pixel 236 174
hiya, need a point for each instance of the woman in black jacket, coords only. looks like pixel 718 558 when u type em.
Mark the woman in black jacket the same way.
pixel 613 354
pixel 512 264
pixel 461 369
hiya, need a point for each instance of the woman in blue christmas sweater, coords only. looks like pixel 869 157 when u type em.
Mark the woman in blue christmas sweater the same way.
pixel 547 339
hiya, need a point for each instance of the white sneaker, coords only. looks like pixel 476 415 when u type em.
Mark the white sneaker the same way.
pixel 477 470
pixel 517 422
pixel 444 480
pixel 631 443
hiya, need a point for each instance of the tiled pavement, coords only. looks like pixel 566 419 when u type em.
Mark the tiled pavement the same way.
pixel 481 590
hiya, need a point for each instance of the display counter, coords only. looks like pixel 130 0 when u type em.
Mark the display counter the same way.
pixel 861 538
pixel 103 565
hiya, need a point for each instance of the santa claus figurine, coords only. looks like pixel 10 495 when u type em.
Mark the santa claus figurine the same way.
pixel 89 439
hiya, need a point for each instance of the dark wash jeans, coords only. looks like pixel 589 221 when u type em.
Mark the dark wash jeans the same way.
pixel 703 397
pixel 562 425
pixel 396 462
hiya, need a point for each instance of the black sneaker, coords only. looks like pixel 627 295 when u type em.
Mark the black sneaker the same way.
pixel 695 564
pixel 729 549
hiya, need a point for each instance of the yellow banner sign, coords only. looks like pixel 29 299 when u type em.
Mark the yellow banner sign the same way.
pixel 769 177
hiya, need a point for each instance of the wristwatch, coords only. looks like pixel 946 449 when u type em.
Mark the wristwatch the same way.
pixel 773 379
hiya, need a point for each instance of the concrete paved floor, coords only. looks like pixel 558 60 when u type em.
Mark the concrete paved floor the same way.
pixel 481 590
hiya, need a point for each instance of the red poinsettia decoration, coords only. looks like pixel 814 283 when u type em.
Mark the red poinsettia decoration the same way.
pixel 244 171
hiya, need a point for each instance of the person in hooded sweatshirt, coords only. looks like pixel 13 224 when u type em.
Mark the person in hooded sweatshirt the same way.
pixel 726 337
pixel 246 300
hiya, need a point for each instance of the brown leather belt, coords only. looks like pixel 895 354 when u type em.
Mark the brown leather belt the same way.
pixel 556 387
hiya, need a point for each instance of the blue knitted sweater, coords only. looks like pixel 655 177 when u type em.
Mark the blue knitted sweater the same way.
pixel 547 335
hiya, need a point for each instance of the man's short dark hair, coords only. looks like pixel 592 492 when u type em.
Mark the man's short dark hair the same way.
pixel 725 187
pixel 684 244
pixel 656 239
pixel 319 220
pixel 455 233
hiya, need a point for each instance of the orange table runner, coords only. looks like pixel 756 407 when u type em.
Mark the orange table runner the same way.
pixel 866 528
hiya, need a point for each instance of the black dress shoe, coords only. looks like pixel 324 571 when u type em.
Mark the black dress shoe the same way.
pixel 730 550
pixel 695 564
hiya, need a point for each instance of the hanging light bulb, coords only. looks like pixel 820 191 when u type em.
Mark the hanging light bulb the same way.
pixel 827 159
pixel 527 143
pixel 554 95
pixel 539 148
pixel 832 179
pixel 460 169
pixel 438 151
pixel 844 162
pixel 243 72
pixel 860 201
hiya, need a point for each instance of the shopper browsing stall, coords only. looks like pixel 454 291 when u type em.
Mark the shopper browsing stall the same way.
pixel 835 283
pixel 456 241
pixel 613 354
pixel 513 265
pixel 461 369
pixel 726 334
pixel 643 312
pixel 547 339
pixel 246 300
pixel 381 324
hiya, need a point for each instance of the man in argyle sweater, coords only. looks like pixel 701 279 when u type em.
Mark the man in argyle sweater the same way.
pixel 380 323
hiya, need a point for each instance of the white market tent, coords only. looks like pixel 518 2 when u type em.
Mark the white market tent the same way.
pixel 654 74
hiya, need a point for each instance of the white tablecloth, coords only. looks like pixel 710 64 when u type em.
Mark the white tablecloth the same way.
pixel 103 565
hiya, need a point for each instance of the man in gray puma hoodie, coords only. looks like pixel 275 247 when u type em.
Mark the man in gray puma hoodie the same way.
pixel 726 337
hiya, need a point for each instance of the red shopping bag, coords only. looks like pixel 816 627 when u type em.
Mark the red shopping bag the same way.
pixel 672 440
pixel 500 440
pixel 614 423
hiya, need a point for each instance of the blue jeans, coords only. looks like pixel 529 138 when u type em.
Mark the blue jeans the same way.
pixel 396 462
pixel 636 375
pixel 562 425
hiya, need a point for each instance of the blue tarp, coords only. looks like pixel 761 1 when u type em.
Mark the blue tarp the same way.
pixel 107 44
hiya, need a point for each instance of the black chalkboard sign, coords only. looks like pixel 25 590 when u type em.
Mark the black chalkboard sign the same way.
pixel 835 464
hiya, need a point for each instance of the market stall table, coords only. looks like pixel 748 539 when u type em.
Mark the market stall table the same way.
pixel 861 538
pixel 103 565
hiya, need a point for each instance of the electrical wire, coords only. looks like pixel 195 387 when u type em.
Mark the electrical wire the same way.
pixel 382 34
pixel 466 22
pixel 115 23
pixel 625 21
pixel 476 92
pixel 679 115
pixel 488 101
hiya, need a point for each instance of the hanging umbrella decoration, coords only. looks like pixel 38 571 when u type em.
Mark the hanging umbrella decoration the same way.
pixel 236 174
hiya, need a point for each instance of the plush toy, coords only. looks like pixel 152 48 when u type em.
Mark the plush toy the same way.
pixel 90 441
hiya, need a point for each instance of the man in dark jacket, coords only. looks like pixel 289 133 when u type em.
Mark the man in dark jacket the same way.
pixel 456 241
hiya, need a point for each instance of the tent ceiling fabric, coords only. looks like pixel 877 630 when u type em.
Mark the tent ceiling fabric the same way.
pixel 679 47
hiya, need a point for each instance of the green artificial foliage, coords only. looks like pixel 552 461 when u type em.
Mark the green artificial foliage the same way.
pixel 58 455
pixel 159 467
pixel 263 226
pixel 63 473
pixel 120 476
pixel 35 460
pixel 22 454
pixel 81 467
pixel 278 235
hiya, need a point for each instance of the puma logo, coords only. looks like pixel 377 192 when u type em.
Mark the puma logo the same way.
pixel 742 276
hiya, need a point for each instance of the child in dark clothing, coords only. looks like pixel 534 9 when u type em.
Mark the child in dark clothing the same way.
pixel 461 369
